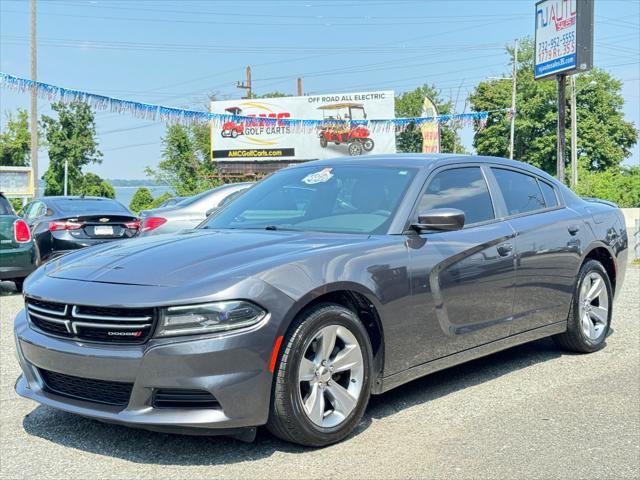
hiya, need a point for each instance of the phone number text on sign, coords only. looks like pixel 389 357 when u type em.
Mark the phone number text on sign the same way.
pixel 556 47
pixel 555 36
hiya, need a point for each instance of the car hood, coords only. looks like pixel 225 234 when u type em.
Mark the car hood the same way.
pixel 191 256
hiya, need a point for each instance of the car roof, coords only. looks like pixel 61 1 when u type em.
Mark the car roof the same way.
pixel 72 197
pixel 422 160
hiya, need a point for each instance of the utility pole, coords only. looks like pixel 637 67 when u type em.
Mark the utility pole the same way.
pixel 34 103
pixel 574 134
pixel 66 175
pixel 246 85
pixel 562 103
pixel 513 101
pixel 299 86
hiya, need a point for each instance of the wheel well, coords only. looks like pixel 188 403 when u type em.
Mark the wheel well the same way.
pixel 604 257
pixel 368 315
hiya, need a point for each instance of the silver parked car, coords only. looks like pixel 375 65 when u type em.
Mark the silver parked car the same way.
pixel 189 212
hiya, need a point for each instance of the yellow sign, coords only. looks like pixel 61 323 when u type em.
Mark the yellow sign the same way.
pixel 16 181
pixel 431 130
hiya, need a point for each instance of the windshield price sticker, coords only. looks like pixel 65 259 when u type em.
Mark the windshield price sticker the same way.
pixel 322 176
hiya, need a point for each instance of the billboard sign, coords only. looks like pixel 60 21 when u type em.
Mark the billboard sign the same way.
pixel 16 181
pixel 563 37
pixel 253 140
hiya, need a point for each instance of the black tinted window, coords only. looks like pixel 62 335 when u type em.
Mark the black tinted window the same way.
pixel 461 188
pixel 521 192
pixel 5 207
pixel 89 205
pixel 549 194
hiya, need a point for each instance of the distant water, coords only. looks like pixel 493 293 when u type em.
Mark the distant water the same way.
pixel 125 194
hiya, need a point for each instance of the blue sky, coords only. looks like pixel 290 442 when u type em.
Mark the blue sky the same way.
pixel 175 52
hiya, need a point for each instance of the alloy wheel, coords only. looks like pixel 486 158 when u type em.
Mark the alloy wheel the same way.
pixel 593 306
pixel 330 376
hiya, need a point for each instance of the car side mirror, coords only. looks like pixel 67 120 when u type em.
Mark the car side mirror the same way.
pixel 440 219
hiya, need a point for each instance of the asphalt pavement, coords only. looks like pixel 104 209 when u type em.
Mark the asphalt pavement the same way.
pixel 529 412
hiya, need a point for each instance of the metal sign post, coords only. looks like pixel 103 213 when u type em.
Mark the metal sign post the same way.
pixel 562 103
pixel 563 46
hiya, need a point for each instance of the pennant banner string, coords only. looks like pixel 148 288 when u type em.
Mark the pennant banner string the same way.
pixel 172 115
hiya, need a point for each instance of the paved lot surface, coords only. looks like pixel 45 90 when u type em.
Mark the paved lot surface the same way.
pixel 529 412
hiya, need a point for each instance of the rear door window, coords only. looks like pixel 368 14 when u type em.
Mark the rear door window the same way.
pixel 549 194
pixel 462 188
pixel 521 192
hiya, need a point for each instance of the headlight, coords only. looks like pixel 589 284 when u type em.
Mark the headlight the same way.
pixel 208 318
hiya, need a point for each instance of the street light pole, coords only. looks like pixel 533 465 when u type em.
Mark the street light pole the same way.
pixel 34 103
pixel 513 101
pixel 574 135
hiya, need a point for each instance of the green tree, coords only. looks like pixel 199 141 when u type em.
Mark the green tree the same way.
pixel 409 104
pixel 15 141
pixel 619 185
pixel 71 136
pixel 186 165
pixel 604 137
pixel 93 185
pixel 274 94
pixel 141 200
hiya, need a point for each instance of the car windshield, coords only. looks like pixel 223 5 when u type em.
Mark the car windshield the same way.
pixel 341 199
pixel 89 205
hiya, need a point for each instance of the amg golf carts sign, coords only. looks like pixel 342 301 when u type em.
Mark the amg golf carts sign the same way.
pixel 564 37
pixel 338 133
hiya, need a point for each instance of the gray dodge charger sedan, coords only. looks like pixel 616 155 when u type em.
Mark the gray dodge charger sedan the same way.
pixel 326 282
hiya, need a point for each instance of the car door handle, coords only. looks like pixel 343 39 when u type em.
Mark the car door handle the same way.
pixel 573 229
pixel 504 249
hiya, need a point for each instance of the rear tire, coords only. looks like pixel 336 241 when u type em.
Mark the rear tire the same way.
pixel 323 142
pixel 368 144
pixel 590 313
pixel 338 386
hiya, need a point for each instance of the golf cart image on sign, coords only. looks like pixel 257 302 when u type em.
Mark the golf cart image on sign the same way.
pixel 339 129
pixel 231 128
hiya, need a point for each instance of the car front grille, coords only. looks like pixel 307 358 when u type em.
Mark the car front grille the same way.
pixel 98 324
pixel 99 391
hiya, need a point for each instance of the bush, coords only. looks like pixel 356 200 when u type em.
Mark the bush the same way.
pixel 619 185
pixel 141 200
pixel 94 186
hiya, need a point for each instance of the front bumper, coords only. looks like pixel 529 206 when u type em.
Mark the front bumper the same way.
pixel 232 367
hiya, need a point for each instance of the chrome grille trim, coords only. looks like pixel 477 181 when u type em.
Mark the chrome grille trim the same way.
pixel 52 320
pixel 49 319
pixel 107 326
pixel 50 312
pixel 125 326
pixel 75 314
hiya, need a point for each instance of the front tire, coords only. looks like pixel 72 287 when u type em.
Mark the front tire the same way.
pixel 323 381
pixel 355 149
pixel 591 308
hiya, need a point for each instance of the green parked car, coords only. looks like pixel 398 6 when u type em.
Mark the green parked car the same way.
pixel 17 249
